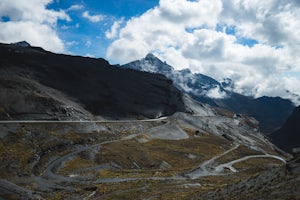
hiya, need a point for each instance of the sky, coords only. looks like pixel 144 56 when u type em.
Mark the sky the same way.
pixel 255 43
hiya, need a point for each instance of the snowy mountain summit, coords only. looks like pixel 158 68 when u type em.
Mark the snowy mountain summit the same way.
pixel 269 111
pixel 185 80
pixel 22 44
pixel 151 64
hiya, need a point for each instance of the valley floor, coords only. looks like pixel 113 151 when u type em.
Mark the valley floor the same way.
pixel 180 157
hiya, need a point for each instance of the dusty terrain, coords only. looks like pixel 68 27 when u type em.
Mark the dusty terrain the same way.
pixel 210 154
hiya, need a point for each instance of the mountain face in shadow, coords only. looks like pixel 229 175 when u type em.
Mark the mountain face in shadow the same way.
pixel 271 112
pixel 36 84
pixel 288 136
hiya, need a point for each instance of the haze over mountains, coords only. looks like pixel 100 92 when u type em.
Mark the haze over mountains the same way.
pixel 271 112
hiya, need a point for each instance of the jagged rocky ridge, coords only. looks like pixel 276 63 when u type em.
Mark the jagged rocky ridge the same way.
pixel 271 112
pixel 37 84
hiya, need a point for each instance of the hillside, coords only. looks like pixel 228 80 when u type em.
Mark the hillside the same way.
pixel 288 136
pixel 78 128
pixel 211 154
pixel 36 84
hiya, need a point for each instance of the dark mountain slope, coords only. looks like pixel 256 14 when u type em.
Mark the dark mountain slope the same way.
pixel 271 112
pixel 92 84
pixel 288 136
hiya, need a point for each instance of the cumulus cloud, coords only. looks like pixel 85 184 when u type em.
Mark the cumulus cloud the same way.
pixel 31 22
pixel 114 30
pixel 216 93
pixel 255 43
pixel 92 18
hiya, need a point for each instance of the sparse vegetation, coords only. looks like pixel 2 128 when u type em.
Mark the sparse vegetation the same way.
pixel 146 167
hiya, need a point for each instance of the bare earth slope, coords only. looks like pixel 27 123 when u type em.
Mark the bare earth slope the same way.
pixel 210 154
pixel 36 84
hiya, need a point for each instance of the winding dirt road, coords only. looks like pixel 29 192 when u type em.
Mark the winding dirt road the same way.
pixel 51 179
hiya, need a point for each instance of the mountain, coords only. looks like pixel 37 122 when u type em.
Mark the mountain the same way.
pixel 185 80
pixel 204 153
pixel 106 147
pixel 37 84
pixel 271 112
pixel 288 136
pixel 22 44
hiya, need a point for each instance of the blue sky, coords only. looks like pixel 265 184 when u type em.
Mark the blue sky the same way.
pixel 255 43
pixel 83 37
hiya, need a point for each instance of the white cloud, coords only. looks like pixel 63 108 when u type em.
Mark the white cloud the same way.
pixel 32 22
pixel 76 7
pixel 35 34
pixel 35 11
pixel 92 18
pixel 88 43
pixel 195 34
pixel 72 43
pixel 216 93
pixel 114 30
pixel 90 55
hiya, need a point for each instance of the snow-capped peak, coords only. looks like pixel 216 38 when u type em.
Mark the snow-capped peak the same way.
pixel 185 80
pixel 22 44
pixel 150 56
pixel 152 63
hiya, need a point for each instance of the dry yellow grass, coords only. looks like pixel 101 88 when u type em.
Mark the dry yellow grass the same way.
pixel 15 154
pixel 76 164
pixel 150 155
pixel 257 163
pixel 240 152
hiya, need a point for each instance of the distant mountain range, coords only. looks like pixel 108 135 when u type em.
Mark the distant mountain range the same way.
pixel 288 136
pixel 37 84
pixel 271 112
pixel 101 149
